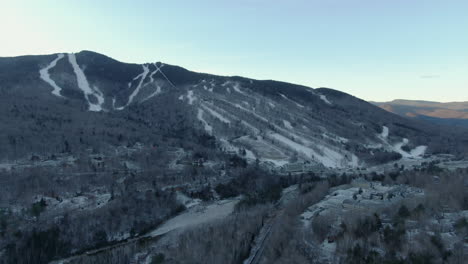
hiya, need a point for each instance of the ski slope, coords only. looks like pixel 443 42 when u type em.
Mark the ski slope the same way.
pixel 86 88
pixel 44 74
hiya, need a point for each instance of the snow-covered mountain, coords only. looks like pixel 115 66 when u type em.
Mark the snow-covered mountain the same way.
pixel 53 102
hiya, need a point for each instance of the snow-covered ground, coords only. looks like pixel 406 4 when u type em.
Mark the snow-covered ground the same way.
pixel 85 87
pixel 197 215
pixel 44 73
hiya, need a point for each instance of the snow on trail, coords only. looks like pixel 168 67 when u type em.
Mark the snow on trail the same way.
pixel 398 148
pixel 216 114
pixel 208 128
pixel 325 99
pixel 84 86
pixel 137 89
pixel 296 103
pixel 153 73
pixel 414 153
pixel 236 88
pixel 197 215
pixel 417 152
pixel 191 98
pixel 158 91
pixel 44 73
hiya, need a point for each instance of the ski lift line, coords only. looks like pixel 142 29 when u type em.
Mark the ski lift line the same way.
pixel 159 69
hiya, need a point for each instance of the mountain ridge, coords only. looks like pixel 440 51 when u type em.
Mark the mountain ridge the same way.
pixel 272 120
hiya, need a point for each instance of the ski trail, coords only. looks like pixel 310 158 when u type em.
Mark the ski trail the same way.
pixel 236 88
pixel 325 99
pixel 137 89
pixel 385 132
pixel 216 114
pixel 287 125
pixel 208 128
pixel 158 91
pixel 44 73
pixel 292 101
pixel 190 97
pixel 158 69
pixel 84 86
pixel 153 73
pixel 415 153
pixel 252 112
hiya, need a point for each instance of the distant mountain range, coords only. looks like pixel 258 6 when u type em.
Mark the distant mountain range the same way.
pixel 453 113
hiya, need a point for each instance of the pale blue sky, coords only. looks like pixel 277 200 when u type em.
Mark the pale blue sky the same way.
pixel 373 49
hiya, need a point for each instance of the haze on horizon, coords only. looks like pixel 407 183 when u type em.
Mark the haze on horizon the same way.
pixel 375 50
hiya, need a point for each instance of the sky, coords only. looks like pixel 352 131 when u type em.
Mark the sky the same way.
pixel 377 50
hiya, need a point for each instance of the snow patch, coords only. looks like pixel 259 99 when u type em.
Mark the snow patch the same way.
pixel 84 86
pixel 385 132
pixel 208 128
pixel 418 151
pixel 325 99
pixel 287 124
pixel 191 98
pixel 44 73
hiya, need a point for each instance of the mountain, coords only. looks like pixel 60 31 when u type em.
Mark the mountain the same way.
pixel 73 102
pixel 454 113
pixel 108 162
